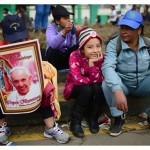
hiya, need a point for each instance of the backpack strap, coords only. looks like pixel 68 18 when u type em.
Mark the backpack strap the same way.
pixel 118 46
pixel 147 43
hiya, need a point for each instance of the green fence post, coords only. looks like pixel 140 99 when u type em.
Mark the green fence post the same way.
pixel 93 13
pixel 104 19
pixel 79 19
pixel 13 9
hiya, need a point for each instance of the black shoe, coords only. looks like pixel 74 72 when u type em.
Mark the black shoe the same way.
pixel 93 126
pixel 117 125
pixel 77 130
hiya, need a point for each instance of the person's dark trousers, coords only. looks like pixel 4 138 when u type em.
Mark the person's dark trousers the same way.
pixel 83 96
pixel 43 54
pixel 96 106
pixel 59 59
pixel 46 112
pixel 148 114
pixel 2 116
pixel 89 98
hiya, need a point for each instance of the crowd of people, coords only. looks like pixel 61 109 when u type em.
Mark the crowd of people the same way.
pixel 95 75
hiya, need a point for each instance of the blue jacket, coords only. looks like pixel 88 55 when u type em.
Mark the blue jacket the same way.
pixel 130 67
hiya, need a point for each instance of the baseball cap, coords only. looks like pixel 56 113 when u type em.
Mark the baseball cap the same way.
pixel 85 34
pixel 61 11
pixel 132 18
pixel 14 28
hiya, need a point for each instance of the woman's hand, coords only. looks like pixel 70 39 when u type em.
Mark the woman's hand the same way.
pixel 121 101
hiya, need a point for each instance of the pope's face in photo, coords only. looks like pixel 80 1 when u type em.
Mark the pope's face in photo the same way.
pixel 21 81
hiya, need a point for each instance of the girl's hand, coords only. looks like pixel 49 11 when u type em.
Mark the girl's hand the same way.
pixel 67 28
pixel 95 59
pixel 100 55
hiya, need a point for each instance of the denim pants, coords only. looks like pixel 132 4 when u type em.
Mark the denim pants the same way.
pixel 41 17
pixel 143 90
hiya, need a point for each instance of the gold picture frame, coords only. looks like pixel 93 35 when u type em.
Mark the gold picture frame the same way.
pixel 22 79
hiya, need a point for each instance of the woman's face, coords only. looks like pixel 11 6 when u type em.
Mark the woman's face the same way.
pixel 92 48
pixel 63 21
pixel 129 34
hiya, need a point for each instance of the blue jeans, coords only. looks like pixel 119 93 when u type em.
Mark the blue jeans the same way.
pixel 41 17
pixel 143 90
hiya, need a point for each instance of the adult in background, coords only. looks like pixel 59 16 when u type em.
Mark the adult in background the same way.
pixel 113 15
pixel 128 73
pixel 146 14
pixel 41 17
pixel 6 12
pixel 61 38
pixel 22 12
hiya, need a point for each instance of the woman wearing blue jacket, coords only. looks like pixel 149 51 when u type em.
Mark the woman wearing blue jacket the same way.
pixel 128 73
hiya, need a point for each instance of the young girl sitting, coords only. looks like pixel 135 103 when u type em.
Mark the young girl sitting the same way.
pixel 84 81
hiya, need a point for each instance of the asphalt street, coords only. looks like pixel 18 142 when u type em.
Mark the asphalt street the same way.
pixel 134 134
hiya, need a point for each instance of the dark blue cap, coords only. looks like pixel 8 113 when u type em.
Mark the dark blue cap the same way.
pixel 14 28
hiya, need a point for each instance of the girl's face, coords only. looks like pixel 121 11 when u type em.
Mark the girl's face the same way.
pixel 63 21
pixel 92 48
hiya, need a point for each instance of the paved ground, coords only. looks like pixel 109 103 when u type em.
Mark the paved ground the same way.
pixel 133 134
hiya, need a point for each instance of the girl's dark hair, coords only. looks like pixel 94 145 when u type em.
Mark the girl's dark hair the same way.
pixel 51 9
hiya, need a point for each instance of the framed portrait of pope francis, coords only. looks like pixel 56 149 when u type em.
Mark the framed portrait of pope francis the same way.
pixel 21 75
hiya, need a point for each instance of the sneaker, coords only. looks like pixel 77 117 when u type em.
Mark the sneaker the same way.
pixel 8 144
pixel 57 134
pixel 4 133
pixel 117 125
